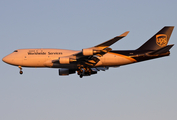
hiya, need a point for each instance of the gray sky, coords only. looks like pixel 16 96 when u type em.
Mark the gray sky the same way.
pixel 141 91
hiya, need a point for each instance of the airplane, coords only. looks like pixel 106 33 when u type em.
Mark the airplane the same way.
pixel 89 61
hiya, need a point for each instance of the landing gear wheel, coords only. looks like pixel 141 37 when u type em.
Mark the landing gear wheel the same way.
pixel 78 72
pixel 88 70
pixel 21 72
pixel 81 76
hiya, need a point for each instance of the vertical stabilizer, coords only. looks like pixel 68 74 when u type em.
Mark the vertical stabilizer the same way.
pixel 159 40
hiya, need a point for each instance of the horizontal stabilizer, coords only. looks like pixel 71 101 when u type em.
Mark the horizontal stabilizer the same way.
pixel 162 50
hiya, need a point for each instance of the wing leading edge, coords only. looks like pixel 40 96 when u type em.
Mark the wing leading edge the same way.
pixel 113 40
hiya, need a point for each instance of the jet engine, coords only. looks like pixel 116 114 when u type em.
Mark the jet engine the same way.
pixel 87 52
pixel 64 60
pixel 90 51
pixel 65 71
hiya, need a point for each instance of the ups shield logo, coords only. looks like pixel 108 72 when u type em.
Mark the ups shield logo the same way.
pixel 161 40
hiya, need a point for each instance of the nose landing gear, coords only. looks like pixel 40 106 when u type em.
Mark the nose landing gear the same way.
pixel 21 72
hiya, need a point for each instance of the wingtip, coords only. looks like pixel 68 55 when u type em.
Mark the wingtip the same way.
pixel 124 34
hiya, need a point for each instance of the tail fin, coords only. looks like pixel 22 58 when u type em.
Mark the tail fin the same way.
pixel 159 40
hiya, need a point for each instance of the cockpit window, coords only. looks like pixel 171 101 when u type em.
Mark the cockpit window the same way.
pixel 16 51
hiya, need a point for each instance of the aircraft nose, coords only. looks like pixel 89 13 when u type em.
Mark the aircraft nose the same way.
pixel 6 59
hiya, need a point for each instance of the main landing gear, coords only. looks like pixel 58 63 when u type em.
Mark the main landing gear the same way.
pixel 21 72
pixel 80 73
pixel 84 71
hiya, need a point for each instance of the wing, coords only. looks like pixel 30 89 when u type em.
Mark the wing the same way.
pixel 87 59
pixel 88 56
pixel 102 48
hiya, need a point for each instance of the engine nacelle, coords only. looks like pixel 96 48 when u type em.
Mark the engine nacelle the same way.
pixel 87 52
pixel 65 71
pixel 64 60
